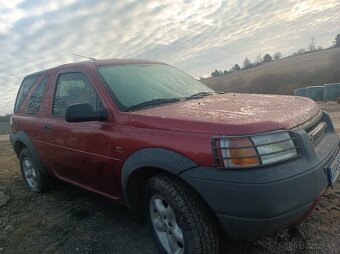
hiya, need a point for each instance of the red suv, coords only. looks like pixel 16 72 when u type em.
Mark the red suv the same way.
pixel 193 160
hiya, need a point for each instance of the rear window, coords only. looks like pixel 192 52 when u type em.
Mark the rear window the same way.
pixel 24 89
pixel 33 105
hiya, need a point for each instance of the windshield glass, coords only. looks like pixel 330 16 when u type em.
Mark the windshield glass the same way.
pixel 134 84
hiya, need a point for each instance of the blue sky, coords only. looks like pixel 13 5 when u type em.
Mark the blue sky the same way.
pixel 195 36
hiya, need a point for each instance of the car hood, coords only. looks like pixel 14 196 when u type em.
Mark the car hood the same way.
pixel 230 113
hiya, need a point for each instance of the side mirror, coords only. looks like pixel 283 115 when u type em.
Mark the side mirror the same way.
pixel 83 113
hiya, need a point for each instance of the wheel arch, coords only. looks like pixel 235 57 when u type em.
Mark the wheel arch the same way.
pixel 21 140
pixel 144 164
pixel 135 193
pixel 18 146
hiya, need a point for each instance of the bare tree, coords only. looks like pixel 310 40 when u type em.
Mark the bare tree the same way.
pixel 215 73
pixel 277 55
pixel 258 59
pixel 247 64
pixel 301 51
pixel 236 67
pixel 311 46
pixel 337 41
pixel 267 58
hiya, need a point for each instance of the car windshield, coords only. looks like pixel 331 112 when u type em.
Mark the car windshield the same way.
pixel 131 85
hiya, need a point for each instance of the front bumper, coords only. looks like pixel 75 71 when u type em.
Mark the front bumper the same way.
pixel 259 201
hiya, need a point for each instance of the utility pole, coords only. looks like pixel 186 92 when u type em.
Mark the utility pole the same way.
pixel 312 45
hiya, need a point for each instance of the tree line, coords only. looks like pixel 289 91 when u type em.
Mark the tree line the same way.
pixel 247 64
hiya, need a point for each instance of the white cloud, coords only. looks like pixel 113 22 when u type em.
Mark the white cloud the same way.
pixel 301 8
pixel 197 36
pixel 9 14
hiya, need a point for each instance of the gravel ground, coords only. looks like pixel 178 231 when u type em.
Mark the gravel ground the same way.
pixel 68 219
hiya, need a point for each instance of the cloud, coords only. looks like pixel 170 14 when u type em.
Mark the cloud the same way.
pixel 9 14
pixel 196 36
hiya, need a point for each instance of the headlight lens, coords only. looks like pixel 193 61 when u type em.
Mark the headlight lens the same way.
pixel 275 147
pixel 238 152
pixel 256 150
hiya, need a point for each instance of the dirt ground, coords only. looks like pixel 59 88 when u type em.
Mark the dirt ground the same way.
pixel 68 219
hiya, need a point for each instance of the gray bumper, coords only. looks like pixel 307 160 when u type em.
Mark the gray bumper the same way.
pixel 258 201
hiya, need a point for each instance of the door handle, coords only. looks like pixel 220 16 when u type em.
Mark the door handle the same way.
pixel 47 126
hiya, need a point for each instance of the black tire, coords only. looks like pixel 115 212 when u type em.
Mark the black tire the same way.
pixel 199 230
pixel 43 182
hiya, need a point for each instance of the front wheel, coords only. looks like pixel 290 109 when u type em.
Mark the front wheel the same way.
pixel 179 222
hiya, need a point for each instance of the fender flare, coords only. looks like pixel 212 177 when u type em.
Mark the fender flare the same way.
pixel 164 159
pixel 26 140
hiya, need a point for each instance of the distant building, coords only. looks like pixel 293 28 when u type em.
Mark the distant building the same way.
pixel 327 92
pixel 300 92
pixel 331 91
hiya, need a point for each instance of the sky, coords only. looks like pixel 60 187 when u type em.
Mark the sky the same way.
pixel 195 36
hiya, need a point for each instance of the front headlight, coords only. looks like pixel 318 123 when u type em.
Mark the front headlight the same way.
pixel 254 150
pixel 275 147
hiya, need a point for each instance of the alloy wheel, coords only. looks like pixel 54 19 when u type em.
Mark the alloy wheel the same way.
pixel 165 224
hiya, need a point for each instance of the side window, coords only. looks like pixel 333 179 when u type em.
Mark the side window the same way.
pixel 24 89
pixel 74 88
pixel 33 105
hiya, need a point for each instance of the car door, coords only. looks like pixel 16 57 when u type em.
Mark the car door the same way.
pixel 30 112
pixel 79 152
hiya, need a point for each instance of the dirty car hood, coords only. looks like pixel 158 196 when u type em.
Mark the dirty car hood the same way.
pixel 230 113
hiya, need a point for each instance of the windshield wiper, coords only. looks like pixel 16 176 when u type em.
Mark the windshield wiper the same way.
pixel 153 102
pixel 201 94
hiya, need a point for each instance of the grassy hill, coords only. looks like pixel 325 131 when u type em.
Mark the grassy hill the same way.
pixel 284 75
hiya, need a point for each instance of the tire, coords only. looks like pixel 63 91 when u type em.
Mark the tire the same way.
pixel 34 178
pixel 179 221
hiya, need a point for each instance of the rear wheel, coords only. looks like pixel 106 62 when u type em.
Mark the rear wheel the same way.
pixel 35 180
pixel 179 222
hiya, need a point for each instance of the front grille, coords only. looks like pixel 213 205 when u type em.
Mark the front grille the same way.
pixel 315 128
pixel 315 133
pixel 312 123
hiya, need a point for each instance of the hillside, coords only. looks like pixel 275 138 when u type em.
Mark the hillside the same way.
pixel 284 75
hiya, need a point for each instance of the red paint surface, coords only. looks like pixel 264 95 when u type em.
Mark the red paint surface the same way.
pixel 229 114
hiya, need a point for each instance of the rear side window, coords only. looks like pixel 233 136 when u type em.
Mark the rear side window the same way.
pixel 34 101
pixel 24 89
pixel 74 88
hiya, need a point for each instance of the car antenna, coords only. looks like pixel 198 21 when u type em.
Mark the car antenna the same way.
pixel 92 58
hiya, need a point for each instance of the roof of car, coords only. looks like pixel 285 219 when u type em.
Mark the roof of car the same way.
pixel 123 61
pixel 100 62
